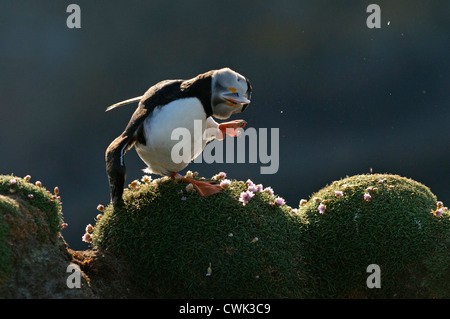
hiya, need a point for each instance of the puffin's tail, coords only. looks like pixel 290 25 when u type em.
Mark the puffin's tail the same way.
pixel 129 101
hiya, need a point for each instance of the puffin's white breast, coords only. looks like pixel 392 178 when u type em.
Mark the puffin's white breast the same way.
pixel 158 128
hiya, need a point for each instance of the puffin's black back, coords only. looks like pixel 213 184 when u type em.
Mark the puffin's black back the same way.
pixel 160 94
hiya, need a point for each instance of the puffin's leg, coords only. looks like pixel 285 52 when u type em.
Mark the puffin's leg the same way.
pixel 205 189
pixel 232 128
pixel 115 167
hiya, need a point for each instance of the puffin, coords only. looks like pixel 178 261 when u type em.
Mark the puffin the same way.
pixel 172 104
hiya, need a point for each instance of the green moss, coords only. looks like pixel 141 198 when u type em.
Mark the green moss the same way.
pixel 5 250
pixel 22 214
pixel 253 250
pixel 394 229
pixel 41 199
pixel 267 251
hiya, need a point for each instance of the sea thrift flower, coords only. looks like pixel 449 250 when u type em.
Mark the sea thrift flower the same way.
pixel 190 188
pixel 367 197
pixel 338 193
pixel 259 188
pixel 100 207
pixel 135 184
pixel 64 225
pixel 249 183
pixel 439 204
pixel 13 181
pixel 245 197
pixel 279 201
pixel 302 202
pixel 30 196
pixel 294 211
pixel 369 189
pixel 322 208
pixel 189 174
pixel 268 190
pixel 439 212
pixel 225 183
pixel 87 238
pixel 381 181
pixel 146 179
pixel 219 176
pixel 38 183
pixel 252 188
pixel 89 228
pixel 27 178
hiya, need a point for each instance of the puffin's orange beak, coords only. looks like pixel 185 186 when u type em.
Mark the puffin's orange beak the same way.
pixel 235 98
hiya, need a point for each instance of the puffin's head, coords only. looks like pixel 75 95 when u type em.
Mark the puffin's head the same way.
pixel 230 93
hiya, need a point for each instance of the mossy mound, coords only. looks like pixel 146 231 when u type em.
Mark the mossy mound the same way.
pixel 181 245
pixel 387 220
pixel 30 224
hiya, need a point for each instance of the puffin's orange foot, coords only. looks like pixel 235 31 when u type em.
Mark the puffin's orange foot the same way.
pixel 205 189
pixel 232 128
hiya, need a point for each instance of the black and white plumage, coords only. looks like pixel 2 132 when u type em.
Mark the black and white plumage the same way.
pixel 175 104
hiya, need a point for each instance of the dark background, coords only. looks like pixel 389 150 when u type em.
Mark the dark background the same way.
pixel 346 98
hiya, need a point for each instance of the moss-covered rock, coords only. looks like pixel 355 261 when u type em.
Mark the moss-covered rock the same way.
pixel 181 245
pixel 33 254
pixel 387 220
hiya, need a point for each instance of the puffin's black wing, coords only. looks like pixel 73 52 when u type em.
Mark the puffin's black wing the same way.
pixel 159 94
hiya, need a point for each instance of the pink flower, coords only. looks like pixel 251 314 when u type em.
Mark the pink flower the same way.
pixel 338 193
pixel 322 208
pixel 245 197
pixel 190 188
pixel 259 188
pixel 381 181
pixel 439 212
pixel 268 190
pixel 89 228
pixel 222 175
pixel 38 183
pixel 27 178
pixel 439 204
pixel 279 201
pixel 30 196
pixel 13 181
pixel 225 183
pixel 64 225
pixel 87 238
pixel 249 182
pixel 134 184
pixel 252 188
pixel 367 197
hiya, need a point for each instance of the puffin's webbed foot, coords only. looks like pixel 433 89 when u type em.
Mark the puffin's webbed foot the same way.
pixel 205 189
pixel 232 128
